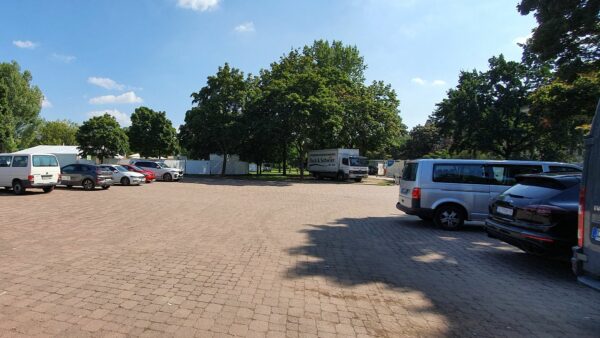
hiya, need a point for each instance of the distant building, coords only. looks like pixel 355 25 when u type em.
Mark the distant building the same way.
pixel 64 154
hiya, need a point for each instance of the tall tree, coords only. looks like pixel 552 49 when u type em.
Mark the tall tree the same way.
pixel 213 124
pixel 423 141
pixel 59 132
pixel 151 133
pixel 488 111
pixel 20 104
pixel 102 137
pixel 567 35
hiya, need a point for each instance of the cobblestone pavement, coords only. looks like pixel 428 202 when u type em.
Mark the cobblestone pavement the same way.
pixel 214 257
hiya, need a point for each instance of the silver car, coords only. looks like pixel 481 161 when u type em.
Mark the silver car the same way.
pixel 124 176
pixel 450 192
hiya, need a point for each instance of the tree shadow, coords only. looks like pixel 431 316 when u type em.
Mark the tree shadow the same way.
pixel 478 284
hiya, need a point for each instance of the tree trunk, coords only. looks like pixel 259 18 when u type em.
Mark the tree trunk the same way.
pixel 224 167
pixel 260 168
pixel 284 159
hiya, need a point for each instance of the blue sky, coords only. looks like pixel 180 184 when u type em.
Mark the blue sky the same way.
pixel 115 55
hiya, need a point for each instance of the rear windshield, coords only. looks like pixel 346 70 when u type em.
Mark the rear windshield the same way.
pixel 44 161
pixel 410 171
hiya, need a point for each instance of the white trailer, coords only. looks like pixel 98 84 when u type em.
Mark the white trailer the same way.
pixel 340 164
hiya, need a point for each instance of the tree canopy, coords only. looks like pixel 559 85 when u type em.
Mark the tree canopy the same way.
pixel 102 137
pixel 151 133
pixel 20 104
pixel 59 132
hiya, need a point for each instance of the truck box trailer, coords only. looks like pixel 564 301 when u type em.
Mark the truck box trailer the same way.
pixel 340 164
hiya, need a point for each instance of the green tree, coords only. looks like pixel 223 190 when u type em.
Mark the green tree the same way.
pixel 424 141
pixel 151 133
pixel 564 111
pixel 567 35
pixel 102 137
pixel 487 111
pixel 20 105
pixel 213 125
pixel 59 132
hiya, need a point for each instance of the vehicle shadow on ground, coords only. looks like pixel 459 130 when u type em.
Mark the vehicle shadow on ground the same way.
pixel 249 181
pixel 479 285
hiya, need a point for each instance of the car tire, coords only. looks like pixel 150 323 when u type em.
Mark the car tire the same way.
pixel 358 180
pixel 88 184
pixel 167 177
pixel 48 189
pixel 18 187
pixel 449 217
pixel 125 181
pixel 105 187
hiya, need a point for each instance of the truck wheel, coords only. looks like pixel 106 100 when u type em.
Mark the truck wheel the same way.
pixel 449 217
pixel 340 177
pixel 18 187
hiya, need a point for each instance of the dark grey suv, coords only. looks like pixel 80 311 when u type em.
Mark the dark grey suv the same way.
pixel 85 175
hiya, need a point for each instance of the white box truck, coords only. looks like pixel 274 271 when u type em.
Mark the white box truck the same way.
pixel 340 164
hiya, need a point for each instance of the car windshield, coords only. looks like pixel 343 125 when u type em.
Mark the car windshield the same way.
pixel 359 161
pixel 121 168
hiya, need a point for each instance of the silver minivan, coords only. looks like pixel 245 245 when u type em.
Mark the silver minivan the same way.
pixel 450 192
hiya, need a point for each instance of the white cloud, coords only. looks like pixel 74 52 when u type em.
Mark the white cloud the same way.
pixel 419 81
pixel 246 27
pixel 128 97
pixel 122 118
pixel 63 58
pixel 46 103
pixel 105 83
pixel 438 83
pixel 520 40
pixel 25 44
pixel 198 5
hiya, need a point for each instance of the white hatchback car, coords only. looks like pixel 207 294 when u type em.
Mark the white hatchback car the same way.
pixel 122 175
pixel 20 171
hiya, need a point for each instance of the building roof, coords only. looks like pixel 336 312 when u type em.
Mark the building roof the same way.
pixel 46 149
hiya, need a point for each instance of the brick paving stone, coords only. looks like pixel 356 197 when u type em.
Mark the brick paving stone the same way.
pixel 227 258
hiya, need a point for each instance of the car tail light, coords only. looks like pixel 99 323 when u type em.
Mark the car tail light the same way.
pixel 416 193
pixel 581 217
pixel 30 178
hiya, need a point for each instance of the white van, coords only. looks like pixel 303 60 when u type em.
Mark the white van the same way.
pixel 22 171
pixel 450 192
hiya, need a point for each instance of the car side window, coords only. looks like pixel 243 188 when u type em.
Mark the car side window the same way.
pixel 504 174
pixel 19 161
pixel 459 173
pixel 345 161
pixel 5 161
pixel 68 169
pixel 141 164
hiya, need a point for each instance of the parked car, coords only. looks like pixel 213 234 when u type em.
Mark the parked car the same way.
pixel 88 176
pixel 538 214
pixel 586 255
pixel 150 177
pixel 161 171
pixel 124 176
pixel 449 192
pixel 373 170
pixel 19 172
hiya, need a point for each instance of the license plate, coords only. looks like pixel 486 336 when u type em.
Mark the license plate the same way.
pixel 46 177
pixel 504 211
pixel 66 178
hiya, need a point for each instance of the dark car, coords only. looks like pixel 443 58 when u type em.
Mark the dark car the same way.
pixel 87 176
pixel 373 170
pixel 538 214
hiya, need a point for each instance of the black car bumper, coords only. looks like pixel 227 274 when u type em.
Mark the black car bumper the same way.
pixel 421 212
pixel 527 240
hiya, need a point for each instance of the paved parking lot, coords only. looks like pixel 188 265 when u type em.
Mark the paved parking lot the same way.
pixel 216 257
